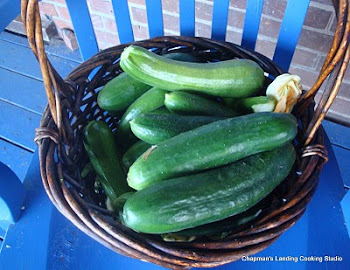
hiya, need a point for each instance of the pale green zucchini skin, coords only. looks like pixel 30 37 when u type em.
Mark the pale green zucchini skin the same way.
pixel 190 104
pixel 190 201
pixel 231 78
pixel 212 145
pixel 154 128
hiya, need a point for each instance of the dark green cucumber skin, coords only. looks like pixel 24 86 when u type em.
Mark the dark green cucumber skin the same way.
pixel 136 150
pixel 123 90
pixel 231 78
pixel 190 201
pixel 212 145
pixel 190 104
pixel 148 102
pixel 154 128
pixel 105 158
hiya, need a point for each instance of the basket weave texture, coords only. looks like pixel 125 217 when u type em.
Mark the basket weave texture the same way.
pixel 72 104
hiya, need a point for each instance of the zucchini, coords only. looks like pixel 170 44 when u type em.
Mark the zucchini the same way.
pixel 186 202
pixel 105 159
pixel 149 101
pixel 231 78
pixel 120 92
pixel 154 128
pixel 212 145
pixel 186 103
pixel 134 152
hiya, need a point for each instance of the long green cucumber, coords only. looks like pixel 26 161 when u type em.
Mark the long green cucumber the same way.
pixel 190 201
pixel 120 92
pixel 154 128
pixel 186 103
pixel 231 78
pixel 149 101
pixel 212 145
pixel 105 158
pixel 136 150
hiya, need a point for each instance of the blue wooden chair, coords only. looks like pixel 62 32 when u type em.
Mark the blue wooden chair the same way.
pixel 52 242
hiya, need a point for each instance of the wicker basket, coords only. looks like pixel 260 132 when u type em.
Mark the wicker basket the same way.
pixel 72 104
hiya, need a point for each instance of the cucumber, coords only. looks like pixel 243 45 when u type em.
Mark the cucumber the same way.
pixel 186 103
pixel 105 159
pixel 120 92
pixel 186 202
pixel 231 78
pixel 212 145
pixel 149 101
pixel 134 152
pixel 155 128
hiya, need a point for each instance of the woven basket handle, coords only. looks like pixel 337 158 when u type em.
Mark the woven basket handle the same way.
pixel 335 65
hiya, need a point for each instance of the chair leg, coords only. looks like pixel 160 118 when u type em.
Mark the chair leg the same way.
pixel 9 9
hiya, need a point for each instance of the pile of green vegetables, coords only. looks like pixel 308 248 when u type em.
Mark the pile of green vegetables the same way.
pixel 194 146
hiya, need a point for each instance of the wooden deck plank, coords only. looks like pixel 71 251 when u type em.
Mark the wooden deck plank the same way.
pixel 21 59
pixel 23 91
pixel 18 125
pixel 15 158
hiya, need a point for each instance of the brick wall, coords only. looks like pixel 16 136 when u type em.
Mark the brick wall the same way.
pixel 314 42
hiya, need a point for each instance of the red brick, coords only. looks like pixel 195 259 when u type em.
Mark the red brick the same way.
pixel 96 21
pixel 235 18
pixel 62 24
pixel 265 47
pixel 203 11
pixel 308 77
pixel 317 18
pixel 203 30
pixel 275 8
pixel 139 15
pixel 238 4
pixel 171 23
pixel 171 5
pixel 102 36
pixel 101 6
pixel 110 25
pixel 47 9
pixel 140 32
pixel 233 37
pixel 315 40
pixel 63 13
pixel 304 58
pixel 269 27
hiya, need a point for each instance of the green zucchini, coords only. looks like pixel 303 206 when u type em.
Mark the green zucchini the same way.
pixel 155 128
pixel 149 101
pixel 105 159
pixel 134 152
pixel 212 145
pixel 120 92
pixel 186 202
pixel 186 103
pixel 231 78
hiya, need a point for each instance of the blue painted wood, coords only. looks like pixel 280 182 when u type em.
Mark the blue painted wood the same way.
pixel 343 158
pixel 18 125
pixel 21 60
pixel 219 21
pixel 155 18
pixel 289 33
pixel 345 203
pixel 9 9
pixel 27 92
pixel 339 135
pixel 83 28
pixel 252 23
pixel 16 158
pixel 187 17
pixel 11 196
pixel 122 18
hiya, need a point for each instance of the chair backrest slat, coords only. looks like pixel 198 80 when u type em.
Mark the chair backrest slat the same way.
pixel 122 18
pixel 187 17
pixel 252 23
pixel 83 28
pixel 290 30
pixel 155 18
pixel 219 21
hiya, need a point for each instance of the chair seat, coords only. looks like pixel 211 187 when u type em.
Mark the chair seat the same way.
pixel 52 242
